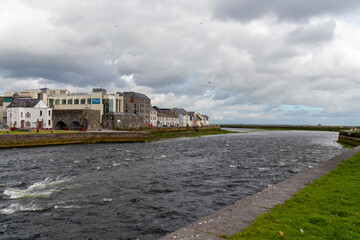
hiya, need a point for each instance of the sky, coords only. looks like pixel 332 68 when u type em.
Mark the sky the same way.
pixel 238 61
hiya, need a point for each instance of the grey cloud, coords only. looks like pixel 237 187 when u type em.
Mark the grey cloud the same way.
pixel 66 69
pixel 322 32
pixel 244 10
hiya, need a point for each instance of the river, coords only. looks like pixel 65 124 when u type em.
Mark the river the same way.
pixel 145 190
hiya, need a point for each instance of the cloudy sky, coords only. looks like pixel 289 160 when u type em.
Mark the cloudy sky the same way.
pixel 239 61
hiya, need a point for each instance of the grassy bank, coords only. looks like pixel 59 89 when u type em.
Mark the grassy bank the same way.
pixel 326 209
pixel 40 132
pixel 46 138
pixel 289 127
pixel 154 136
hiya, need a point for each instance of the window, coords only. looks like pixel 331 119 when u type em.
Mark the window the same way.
pixel 76 101
pixel 63 101
pixel 49 113
pixel 28 115
pixel 40 113
pixel 82 101
pixel 62 92
pixel 49 123
pixel 21 114
pixel 7 99
pixel 57 101
pixel 70 101
pixel 89 101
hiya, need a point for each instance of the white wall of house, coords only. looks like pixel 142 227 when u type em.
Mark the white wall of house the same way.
pixel 153 117
pixel 28 117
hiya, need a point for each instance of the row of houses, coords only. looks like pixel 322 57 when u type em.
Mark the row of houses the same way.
pixel 63 109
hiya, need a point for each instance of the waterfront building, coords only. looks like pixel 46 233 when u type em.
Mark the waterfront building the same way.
pixel 153 117
pixel 166 117
pixel 29 113
pixel 98 99
pixel 139 104
pixel 184 117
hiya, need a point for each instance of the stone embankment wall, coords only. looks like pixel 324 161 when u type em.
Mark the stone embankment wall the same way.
pixel 38 139
pixel 352 138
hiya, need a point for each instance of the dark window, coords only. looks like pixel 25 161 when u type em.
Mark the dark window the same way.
pixel 40 113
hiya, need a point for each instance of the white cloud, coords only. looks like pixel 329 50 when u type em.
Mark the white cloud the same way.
pixel 233 60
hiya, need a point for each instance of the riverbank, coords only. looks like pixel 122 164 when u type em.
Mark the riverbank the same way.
pixel 47 138
pixel 339 186
pixel 289 127
pixel 348 137
pixel 326 209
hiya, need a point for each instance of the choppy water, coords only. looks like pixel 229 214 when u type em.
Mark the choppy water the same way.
pixel 144 190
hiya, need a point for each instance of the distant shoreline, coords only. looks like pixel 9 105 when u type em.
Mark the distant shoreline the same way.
pixel 288 127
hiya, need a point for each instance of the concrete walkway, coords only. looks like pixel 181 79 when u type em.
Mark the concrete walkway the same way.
pixel 236 217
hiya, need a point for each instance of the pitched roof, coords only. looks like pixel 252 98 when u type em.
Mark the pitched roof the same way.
pixel 30 103
pixel 181 110
pixel 140 95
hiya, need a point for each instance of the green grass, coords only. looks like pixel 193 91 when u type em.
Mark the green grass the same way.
pixel 41 132
pixel 329 208
pixel 191 133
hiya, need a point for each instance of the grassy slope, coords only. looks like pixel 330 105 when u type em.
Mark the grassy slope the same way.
pixel 163 135
pixel 40 132
pixel 329 208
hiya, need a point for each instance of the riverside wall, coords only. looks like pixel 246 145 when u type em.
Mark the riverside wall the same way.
pixel 38 139
pixel 352 138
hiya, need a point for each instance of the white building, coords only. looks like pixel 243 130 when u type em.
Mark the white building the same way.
pixel 153 117
pixel 29 113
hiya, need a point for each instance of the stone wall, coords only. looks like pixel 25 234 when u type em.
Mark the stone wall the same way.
pixel 76 119
pixel 39 139
pixel 352 138
pixel 122 121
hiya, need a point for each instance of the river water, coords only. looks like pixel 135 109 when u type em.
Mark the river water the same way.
pixel 145 190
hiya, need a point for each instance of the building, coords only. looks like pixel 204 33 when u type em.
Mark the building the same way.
pixel 194 119
pixel 76 119
pixel 184 118
pixel 98 99
pixel 153 117
pixel 29 113
pixel 122 120
pixel 166 117
pixel 139 104
pixel 203 120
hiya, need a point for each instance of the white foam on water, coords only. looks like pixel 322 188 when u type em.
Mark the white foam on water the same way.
pixel 39 189
pixel 15 207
